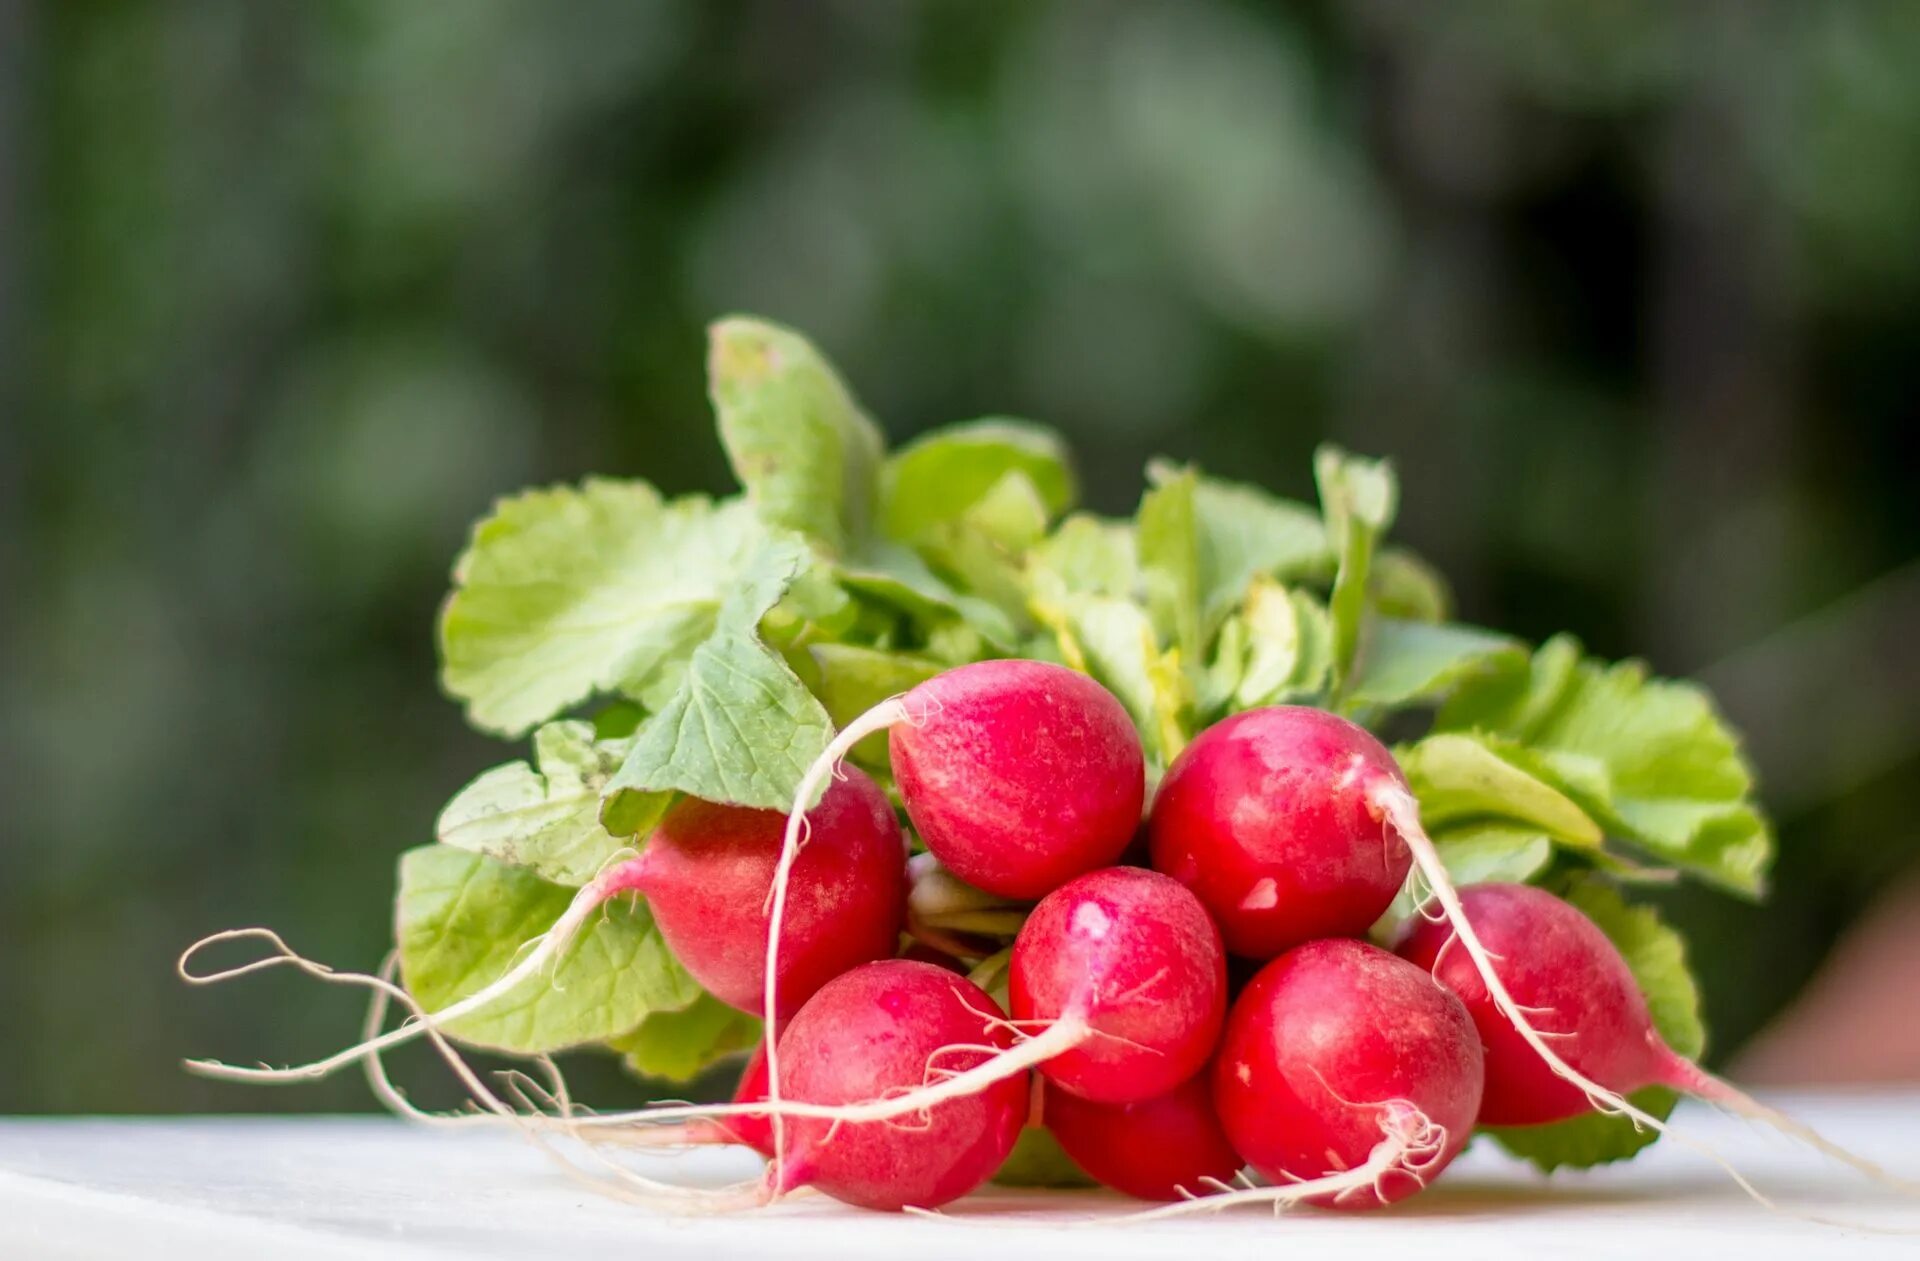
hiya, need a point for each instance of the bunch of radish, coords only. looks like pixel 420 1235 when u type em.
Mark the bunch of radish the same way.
pixel 1129 884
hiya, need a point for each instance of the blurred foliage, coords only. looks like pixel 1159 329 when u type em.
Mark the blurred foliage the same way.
pixel 289 291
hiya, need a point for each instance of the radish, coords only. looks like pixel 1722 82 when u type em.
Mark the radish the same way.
pixel 882 1028
pixel 1129 960
pixel 1019 775
pixel 1164 1148
pixel 1565 1026
pixel 707 868
pixel 1273 817
pixel 1348 1068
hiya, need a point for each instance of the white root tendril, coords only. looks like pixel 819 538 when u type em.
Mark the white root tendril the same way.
pixel 1064 1035
pixel 1410 1146
pixel 546 949
pixel 1402 813
pixel 877 719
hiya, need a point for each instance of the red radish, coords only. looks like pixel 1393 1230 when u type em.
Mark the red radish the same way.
pixel 1020 775
pixel 707 869
pixel 1565 1026
pixel 1164 1148
pixel 1573 983
pixel 1272 817
pixel 1130 958
pixel 883 1028
pixel 1342 1062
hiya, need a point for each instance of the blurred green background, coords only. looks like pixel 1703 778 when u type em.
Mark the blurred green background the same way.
pixel 290 291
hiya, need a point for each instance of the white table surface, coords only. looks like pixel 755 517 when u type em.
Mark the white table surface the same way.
pixel 373 1189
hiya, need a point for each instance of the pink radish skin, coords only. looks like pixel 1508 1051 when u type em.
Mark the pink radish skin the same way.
pixel 1163 1148
pixel 1334 1044
pixel 706 870
pixel 1131 957
pixel 1268 817
pixel 1559 965
pixel 1019 775
pixel 873 1032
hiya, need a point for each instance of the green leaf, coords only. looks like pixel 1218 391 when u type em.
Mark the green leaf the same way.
pixel 1038 1160
pixel 938 477
pixel 1358 498
pixel 1648 758
pixel 462 920
pixel 544 815
pixel 853 680
pixel 678 1046
pixel 1404 662
pixel 1658 957
pixel 1473 778
pixel 567 592
pixel 1289 646
pixel 807 455
pixel 742 728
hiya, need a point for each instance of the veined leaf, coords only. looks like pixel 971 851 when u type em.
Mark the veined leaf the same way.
pixel 544 815
pixel 742 728
pixel 567 592
pixel 807 455
pixel 1648 758
pixel 461 921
